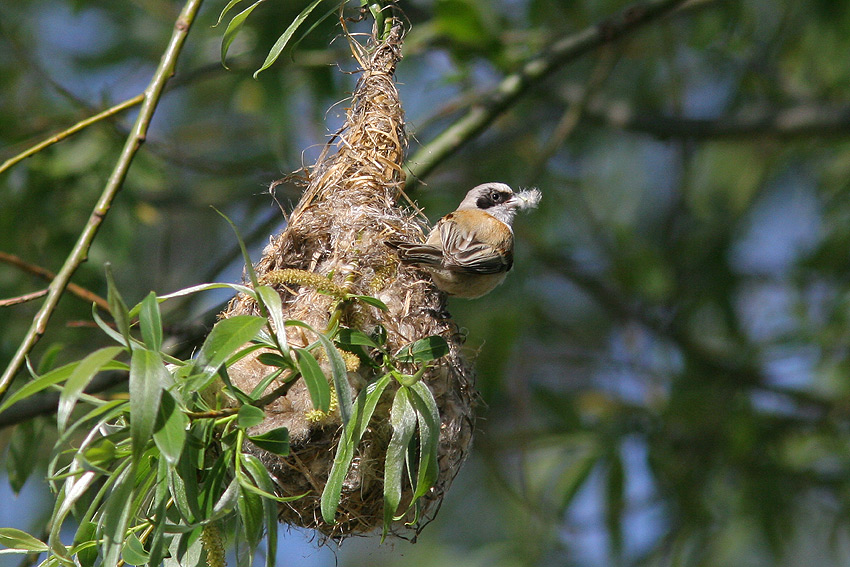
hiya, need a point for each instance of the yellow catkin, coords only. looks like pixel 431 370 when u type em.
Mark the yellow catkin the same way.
pixel 382 277
pixel 304 278
pixel 213 545
pixel 352 361
pixel 318 416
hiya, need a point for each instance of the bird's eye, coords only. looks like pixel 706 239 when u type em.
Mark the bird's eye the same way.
pixel 496 197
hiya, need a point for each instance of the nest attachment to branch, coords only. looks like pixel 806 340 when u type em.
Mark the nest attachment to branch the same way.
pixel 335 240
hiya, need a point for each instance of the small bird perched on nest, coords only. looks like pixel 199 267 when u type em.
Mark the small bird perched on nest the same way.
pixel 469 251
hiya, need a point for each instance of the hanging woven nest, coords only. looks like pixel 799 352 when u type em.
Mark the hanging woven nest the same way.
pixel 335 239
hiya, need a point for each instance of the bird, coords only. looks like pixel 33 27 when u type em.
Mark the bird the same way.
pixel 470 250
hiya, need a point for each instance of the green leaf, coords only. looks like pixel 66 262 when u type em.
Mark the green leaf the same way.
pixel 134 552
pixel 273 359
pixel 233 29
pixel 106 328
pixel 284 38
pixel 249 416
pixel 224 12
pixel 373 301
pixel 170 429
pixel 117 306
pixel 195 289
pixel 53 377
pixel 275 441
pixel 353 337
pixel 249 267
pixel 16 539
pixel 116 516
pixel 262 481
pixel 424 350
pixel 227 502
pixel 227 336
pixel 314 378
pixel 249 505
pixel 85 544
pixel 273 304
pixel 48 359
pixel 147 375
pixel 403 421
pixel 19 458
pixel 261 386
pixel 150 321
pixel 362 412
pixel 100 454
pixel 183 486
pixel 428 416
pixel 80 378
pixel 340 376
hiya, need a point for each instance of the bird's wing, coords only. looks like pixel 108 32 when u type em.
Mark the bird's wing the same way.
pixel 417 254
pixel 486 250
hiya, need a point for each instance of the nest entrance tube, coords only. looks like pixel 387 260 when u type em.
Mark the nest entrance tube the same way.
pixel 332 248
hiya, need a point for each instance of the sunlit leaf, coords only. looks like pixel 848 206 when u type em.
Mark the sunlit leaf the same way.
pixel 53 377
pixel 116 516
pixel 150 320
pixel 428 418
pixel 233 29
pixel 80 378
pixel 117 306
pixel 262 481
pixel 353 432
pixel 227 336
pixel 134 552
pixel 403 421
pixel 275 441
pixel 284 38
pixel 249 416
pixel 273 304
pixel 17 539
pixel 424 350
pixel 373 301
pixel 225 10
pixel 147 376
pixel 315 380
pixel 249 506
pixel 170 430
pixel 353 337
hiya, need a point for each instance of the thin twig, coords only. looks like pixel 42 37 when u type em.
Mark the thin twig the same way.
pixel 137 136
pixel 82 124
pixel 26 298
pixel 534 71
pixel 45 274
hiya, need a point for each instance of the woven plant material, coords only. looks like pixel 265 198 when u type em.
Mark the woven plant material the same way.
pixel 335 240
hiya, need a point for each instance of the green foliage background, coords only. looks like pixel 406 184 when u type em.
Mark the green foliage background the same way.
pixel 664 375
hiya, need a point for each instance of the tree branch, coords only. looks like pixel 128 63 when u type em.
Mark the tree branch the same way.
pixel 45 274
pixel 512 87
pixel 137 136
pixel 795 122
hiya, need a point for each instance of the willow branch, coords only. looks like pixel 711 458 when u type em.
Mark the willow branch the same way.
pixel 512 87
pixel 47 275
pixel 754 122
pixel 134 141
pixel 72 130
